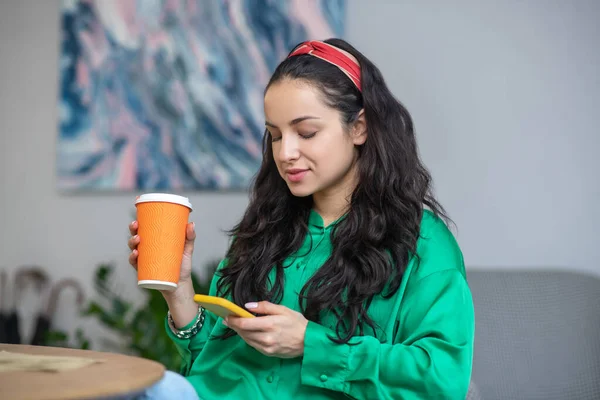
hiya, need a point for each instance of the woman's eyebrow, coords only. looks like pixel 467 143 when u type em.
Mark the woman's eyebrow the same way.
pixel 292 122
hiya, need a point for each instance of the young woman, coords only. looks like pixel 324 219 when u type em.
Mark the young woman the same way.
pixel 343 254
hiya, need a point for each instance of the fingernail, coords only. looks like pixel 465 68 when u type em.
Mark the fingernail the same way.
pixel 225 323
pixel 135 237
pixel 132 222
pixel 251 305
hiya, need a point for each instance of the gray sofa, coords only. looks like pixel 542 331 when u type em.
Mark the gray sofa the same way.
pixel 537 335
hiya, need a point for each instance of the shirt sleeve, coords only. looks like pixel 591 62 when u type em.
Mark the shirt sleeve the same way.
pixel 432 361
pixel 189 349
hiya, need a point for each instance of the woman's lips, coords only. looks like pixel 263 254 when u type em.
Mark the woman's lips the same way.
pixel 296 175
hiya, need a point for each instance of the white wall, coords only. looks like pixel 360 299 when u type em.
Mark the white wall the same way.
pixel 505 99
pixel 69 235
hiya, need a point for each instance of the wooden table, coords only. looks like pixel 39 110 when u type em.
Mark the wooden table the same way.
pixel 117 375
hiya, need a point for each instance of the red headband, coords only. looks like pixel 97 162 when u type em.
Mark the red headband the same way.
pixel 332 55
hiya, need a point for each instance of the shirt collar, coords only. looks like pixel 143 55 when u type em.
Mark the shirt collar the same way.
pixel 315 222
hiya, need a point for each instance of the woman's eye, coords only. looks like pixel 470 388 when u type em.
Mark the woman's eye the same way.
pixel 308 135
pixel 302 135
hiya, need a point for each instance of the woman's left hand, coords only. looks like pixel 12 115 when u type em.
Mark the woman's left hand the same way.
pixel 278 332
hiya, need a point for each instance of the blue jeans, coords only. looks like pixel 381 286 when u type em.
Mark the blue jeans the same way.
pixel 171 386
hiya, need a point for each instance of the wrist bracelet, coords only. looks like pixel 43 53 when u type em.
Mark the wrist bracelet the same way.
pixel 187 333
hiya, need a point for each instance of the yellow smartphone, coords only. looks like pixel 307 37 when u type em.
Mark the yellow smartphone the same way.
pixel 221 307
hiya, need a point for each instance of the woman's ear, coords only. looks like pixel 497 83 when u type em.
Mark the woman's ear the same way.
pixel 359 129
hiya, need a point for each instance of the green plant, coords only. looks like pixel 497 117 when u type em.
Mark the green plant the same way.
pixel 141 328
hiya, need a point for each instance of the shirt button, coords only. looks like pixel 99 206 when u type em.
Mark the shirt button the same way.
pixel 270 379
pixel 323 378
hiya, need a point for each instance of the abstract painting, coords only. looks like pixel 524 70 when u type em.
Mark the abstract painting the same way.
pixel 168 94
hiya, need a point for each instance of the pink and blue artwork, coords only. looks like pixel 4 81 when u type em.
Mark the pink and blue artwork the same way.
pixel 168 94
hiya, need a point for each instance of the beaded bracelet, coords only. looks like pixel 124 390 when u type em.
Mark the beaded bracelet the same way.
pixel 187 333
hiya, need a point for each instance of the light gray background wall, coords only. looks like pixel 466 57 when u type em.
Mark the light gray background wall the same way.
pixel 505 98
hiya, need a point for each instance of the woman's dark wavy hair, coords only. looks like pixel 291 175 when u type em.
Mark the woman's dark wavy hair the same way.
pixel 373 244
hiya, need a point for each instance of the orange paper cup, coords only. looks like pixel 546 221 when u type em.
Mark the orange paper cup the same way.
pixel 162 220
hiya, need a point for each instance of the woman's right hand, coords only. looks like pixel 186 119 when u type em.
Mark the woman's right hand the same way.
pixel 185 275
pixel 181 300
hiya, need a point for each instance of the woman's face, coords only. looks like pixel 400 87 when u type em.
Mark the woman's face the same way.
pixel 313 150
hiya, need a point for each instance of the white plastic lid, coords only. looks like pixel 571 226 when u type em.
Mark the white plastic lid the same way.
pixel 165 198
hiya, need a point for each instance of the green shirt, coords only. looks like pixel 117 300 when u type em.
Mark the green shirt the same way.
pixel 423 351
